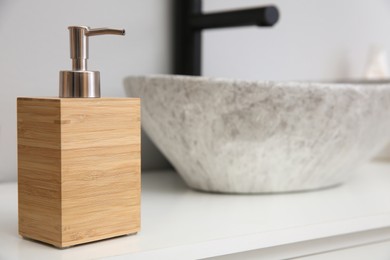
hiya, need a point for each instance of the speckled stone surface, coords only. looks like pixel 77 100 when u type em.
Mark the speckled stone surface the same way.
pixel 252 137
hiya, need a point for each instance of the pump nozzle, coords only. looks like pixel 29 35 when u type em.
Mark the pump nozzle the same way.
pixel 79 82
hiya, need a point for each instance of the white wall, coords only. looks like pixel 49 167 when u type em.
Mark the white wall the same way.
pixel 314 39
pixel 320 39
pixel 34 47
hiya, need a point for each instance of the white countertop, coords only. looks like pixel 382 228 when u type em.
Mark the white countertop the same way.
pixel 181 223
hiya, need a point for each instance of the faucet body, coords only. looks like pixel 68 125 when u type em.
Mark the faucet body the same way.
pixel 190 21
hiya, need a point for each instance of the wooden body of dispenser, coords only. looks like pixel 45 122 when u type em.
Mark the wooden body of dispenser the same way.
pixel 78 169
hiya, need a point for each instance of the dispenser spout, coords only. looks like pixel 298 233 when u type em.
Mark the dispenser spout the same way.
pixel 102 31
pixel 79 43
pixel 79 82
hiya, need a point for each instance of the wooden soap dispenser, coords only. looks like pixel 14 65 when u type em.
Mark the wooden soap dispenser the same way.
pixel 78 157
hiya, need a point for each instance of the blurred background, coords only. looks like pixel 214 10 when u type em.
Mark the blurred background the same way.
pixel 313 40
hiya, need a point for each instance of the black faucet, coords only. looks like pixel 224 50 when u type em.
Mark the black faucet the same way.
pixel 190 21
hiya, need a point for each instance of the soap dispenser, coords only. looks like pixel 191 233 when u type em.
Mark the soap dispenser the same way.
pixel 78 157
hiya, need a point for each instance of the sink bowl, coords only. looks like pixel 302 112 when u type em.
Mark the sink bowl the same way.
pixel 235 136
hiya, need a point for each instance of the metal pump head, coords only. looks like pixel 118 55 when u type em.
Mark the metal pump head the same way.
pixel 79 82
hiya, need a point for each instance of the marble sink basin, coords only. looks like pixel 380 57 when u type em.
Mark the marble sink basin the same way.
pixel 236 136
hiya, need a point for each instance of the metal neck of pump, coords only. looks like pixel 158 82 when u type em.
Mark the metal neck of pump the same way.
pixel 79 82
pixel 78 47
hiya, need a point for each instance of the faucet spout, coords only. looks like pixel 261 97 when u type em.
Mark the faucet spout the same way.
pixel 262 16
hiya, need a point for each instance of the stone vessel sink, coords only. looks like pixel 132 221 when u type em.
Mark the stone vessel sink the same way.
pixel 237 136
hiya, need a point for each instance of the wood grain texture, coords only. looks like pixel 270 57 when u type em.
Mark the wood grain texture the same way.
pixel 78 169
